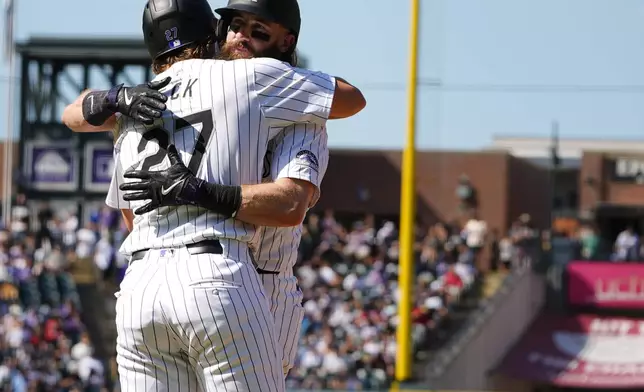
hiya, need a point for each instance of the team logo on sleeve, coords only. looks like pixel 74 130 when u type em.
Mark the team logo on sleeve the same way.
pixel 307 158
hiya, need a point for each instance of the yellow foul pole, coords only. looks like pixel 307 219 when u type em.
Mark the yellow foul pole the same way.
pixel 407 214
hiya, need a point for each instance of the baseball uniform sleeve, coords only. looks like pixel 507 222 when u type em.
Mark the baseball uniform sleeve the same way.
pixel 289 94
pixel 114 197
pixel 301 152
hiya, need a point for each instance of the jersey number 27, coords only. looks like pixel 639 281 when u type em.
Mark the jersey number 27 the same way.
pixel 162 137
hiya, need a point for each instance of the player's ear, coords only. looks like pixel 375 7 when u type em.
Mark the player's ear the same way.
pixel 287 43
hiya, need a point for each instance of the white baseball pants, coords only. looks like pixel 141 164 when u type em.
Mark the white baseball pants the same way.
pixel 286 306
pixel 196 323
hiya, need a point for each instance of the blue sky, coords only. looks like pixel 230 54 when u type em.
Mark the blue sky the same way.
pixel 506 66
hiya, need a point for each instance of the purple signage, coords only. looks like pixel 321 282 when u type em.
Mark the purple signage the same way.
pixel 51 167
pixel 99 166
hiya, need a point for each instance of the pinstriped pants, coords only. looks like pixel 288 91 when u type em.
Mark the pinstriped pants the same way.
pixel 285 298
pixel 196 323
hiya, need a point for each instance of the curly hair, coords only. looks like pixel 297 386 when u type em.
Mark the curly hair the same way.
pixel 204 49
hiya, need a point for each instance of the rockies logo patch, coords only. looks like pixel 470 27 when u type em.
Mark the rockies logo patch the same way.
pixel 306 157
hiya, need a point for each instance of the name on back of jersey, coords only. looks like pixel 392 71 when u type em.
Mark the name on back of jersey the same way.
pixel 181 89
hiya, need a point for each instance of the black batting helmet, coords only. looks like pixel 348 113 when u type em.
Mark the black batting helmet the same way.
pixel 169 25
pixel 283 12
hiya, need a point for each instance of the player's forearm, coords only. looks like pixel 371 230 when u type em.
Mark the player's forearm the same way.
pixel 73 117
pixel 273 204
pixel 347 100
pixel 282 203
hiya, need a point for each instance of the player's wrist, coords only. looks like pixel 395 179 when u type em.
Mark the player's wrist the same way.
pixel 221 199
pixel 99 105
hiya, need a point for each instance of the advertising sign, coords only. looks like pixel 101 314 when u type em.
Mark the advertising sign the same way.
pixel 51 166
pixel 606 285
pixel 582 351
pixel 99 165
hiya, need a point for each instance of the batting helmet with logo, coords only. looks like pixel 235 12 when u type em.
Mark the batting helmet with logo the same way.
pixel 169 25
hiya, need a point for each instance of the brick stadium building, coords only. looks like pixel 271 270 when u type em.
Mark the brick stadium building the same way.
pixel 598 180
pixel 369 182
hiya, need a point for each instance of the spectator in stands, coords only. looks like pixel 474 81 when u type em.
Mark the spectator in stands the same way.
pixel 626 246
pixel 329 220
pixel 507 252
pixel 86 239
pixel 81 349
pixel 19 217
pixel 104 254
pixel 90 371
pixel 18 379
pixel 68 226
pixel 453 283
pixel 526 240
pixel 589 242
pixel 386 235
pixel 475 233
pixel 466 254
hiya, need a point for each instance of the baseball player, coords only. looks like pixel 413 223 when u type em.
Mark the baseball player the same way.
pixel 242 23
pixel 276 250
pixel 167 235
pixel 191 304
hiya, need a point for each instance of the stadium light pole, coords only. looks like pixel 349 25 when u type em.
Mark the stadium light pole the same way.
pixel 407 213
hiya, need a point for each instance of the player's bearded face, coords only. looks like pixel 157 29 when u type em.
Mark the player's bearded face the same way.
pixel 243 49
pixel 250 37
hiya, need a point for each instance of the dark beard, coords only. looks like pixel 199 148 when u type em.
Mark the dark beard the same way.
pixel 229 51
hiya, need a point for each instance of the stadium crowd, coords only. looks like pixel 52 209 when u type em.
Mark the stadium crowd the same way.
pixel 350 276
pixel 348 273
pixel 44 345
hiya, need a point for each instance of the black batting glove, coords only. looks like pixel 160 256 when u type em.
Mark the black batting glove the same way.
pixel 143 102
pixel 173 186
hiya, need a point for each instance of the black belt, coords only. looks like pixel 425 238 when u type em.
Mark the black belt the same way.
pixel 264 272
pixel 212 247
pixel 204 247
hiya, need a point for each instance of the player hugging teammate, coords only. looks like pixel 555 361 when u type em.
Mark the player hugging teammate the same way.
pixel 218 159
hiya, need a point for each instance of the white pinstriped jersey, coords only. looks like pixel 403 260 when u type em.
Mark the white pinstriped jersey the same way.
pixel 221 116
pixel 299 152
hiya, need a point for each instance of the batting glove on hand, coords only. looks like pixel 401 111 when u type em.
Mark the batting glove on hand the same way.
pixel 143 102
pixel 165 188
